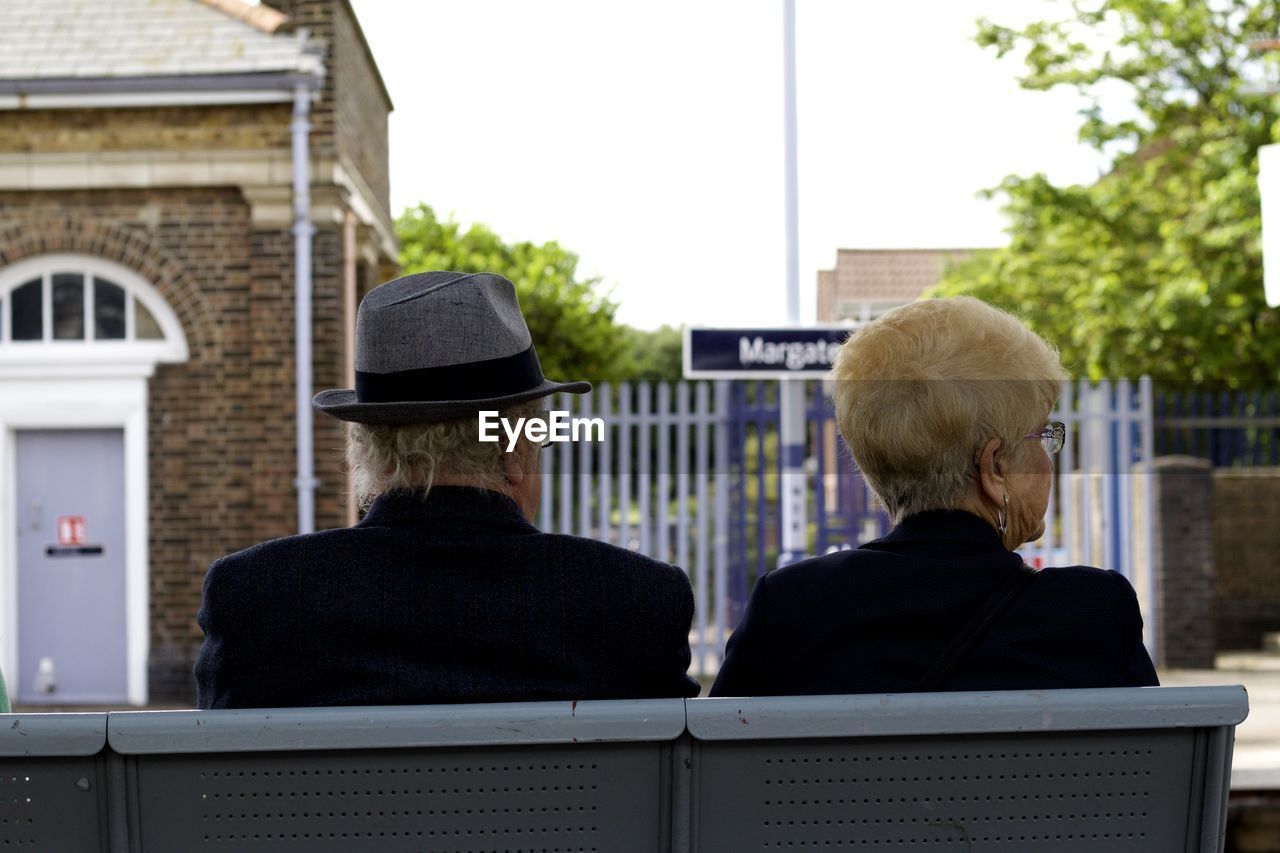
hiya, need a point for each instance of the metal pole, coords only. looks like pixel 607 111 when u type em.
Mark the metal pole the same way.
pixel 792 427
pixel 720 607
pixel 302 233
pixel 792 170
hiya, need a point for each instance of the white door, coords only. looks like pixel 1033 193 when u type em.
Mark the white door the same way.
pixel 72 639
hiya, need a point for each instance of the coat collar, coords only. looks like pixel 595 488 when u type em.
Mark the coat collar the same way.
pixel 943 525
pixel 459 505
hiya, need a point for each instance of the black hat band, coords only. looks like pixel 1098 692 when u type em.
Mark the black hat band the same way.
pixel 476 380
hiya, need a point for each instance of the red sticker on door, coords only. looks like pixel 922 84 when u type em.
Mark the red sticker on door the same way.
pixel 71 529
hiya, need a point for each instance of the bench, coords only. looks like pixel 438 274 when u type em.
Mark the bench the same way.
pixel 1134 769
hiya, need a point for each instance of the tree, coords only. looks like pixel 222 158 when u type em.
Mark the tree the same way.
pixel 651 356
pixel 571 322
pixel 1157 267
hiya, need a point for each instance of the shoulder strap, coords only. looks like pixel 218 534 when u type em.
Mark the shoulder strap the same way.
pixel 975 629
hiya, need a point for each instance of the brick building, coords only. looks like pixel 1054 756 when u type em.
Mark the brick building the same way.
pixel 154 229
pixel 867 282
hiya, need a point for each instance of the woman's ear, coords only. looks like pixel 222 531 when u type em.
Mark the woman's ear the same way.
pixel 991 473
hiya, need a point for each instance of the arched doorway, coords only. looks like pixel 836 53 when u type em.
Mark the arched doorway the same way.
pixel 79 337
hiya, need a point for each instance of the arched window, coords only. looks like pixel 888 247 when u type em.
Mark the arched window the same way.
pixel 75 307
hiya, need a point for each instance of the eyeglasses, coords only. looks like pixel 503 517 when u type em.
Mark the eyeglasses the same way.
pixel 1051 437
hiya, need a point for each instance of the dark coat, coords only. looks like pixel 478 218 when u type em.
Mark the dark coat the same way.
pixel 453 599
pixel 873 620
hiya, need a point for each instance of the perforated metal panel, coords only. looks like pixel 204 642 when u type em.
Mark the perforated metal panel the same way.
pixel 1126 792
pixel 562 798
pixel 51 804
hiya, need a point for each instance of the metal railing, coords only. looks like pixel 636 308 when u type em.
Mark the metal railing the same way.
pixel 688 474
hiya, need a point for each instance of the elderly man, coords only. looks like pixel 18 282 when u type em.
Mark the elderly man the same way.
pixel 445 591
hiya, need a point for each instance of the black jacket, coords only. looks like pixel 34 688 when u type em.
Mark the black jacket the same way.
pixel 873 620
pixel 453 599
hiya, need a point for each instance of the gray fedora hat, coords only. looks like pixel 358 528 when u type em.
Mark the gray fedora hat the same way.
pixel 437 346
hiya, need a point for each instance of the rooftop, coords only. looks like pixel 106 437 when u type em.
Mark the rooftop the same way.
pixel 92 39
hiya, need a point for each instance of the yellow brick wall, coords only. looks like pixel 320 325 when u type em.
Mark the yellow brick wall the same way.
pixel 254 127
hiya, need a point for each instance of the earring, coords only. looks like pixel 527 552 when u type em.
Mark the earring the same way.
pixel 1002 517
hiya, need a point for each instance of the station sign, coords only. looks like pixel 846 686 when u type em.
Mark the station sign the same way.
pixel 796 352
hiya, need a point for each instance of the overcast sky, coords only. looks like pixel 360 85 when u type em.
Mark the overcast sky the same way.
pixel 647 137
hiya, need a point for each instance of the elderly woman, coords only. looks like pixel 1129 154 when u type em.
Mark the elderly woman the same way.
pixel 945 406
pixel 445 591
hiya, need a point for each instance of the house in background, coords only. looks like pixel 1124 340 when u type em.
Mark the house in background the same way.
pixel 867 282
pixel 172 174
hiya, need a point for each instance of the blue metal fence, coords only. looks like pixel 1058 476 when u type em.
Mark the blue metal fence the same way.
pixel 1230 428
pixel 842 513
pixel 689 474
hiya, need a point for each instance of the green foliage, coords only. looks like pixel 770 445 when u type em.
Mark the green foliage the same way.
pixel 570 320
pixel 1157 267
pixel 653 356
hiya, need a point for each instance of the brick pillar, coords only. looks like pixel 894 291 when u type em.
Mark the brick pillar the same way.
pixel 1182 493
pixel 1246 506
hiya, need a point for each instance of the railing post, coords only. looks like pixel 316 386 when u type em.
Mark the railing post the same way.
pixel 565 454
pixel 1124 470
pixel 682 476
pixel 1067 473
pixel 662 548
pixel 624 465
pixel 723 482
pixel 548 465
pixel 644 402
pixel 702 555
pixel 583 491
pixel 1151 620
pixel 604 455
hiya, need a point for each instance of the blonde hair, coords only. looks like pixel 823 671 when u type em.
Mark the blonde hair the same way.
pixel 385 457
pixel 918 391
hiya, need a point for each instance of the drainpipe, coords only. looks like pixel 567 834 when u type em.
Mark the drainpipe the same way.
pixel 349 308
pixel 300 129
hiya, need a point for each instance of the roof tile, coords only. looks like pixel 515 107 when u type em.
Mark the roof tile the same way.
pixel 128 38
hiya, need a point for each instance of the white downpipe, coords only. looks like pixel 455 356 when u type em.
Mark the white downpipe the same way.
pixel 349 308
pixel 795 530
pixel 302 233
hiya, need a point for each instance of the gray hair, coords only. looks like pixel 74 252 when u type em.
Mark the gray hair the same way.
pixel 387 457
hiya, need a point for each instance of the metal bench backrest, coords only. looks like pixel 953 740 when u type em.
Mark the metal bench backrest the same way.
pixel 534 776
pixel 1131 770
pixel 1092 770
pixel 54 785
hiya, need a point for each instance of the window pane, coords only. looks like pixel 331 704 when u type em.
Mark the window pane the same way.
pixel 108 311
pixel 68 306
pixel 27 323
pixel 145 326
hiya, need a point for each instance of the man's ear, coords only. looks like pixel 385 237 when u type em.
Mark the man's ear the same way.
pixel 991 472
pixel 513 464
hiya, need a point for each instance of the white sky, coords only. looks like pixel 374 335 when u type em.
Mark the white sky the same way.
pixel 647 137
